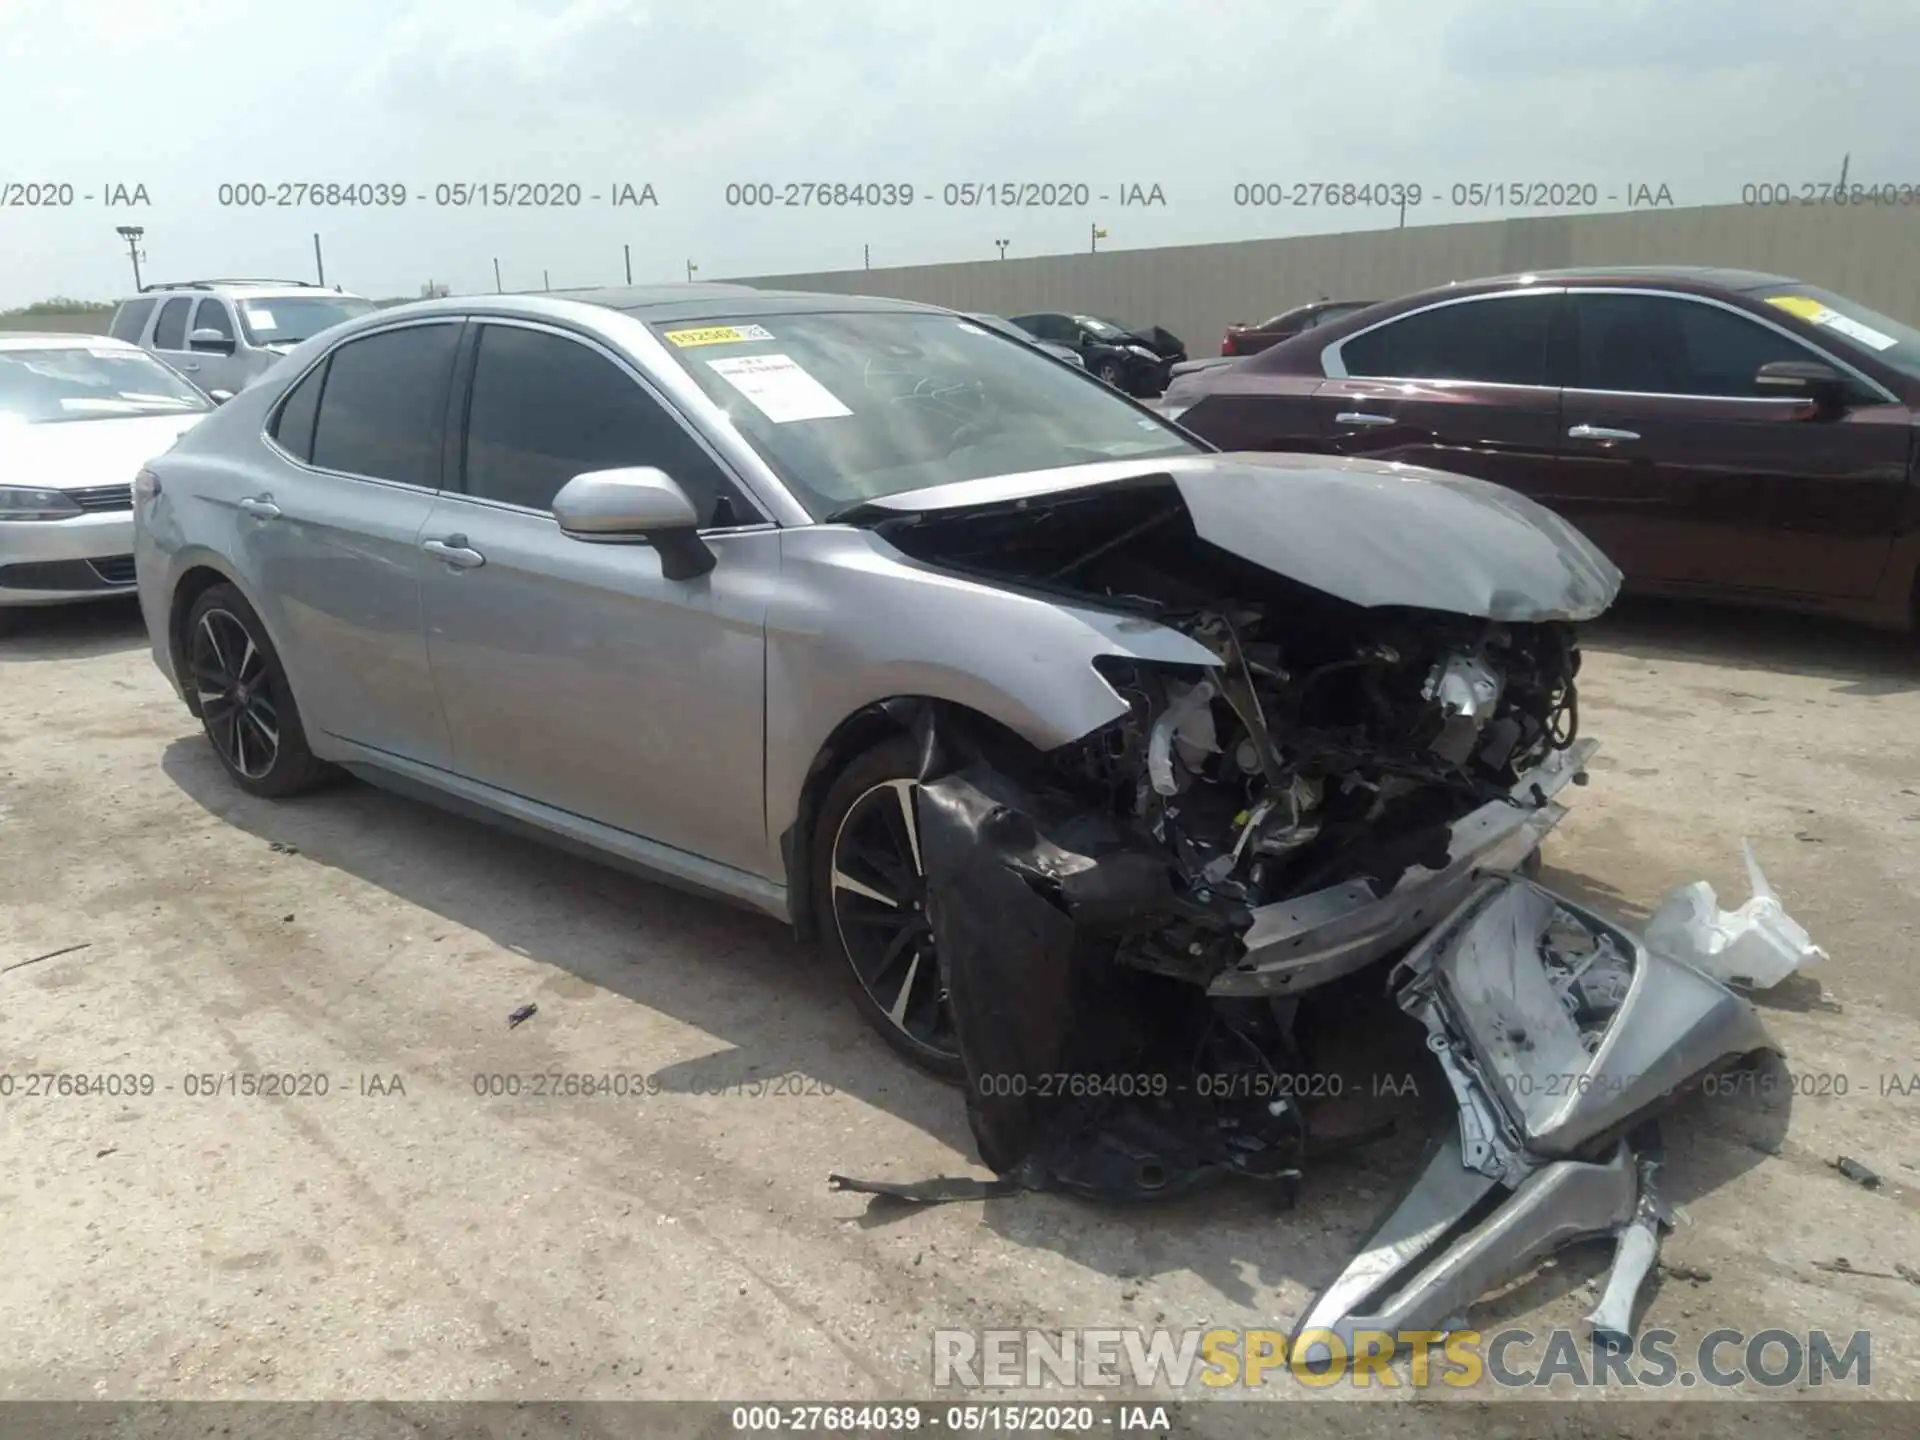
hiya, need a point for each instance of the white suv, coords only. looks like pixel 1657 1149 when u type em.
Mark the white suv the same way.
pixel 225 334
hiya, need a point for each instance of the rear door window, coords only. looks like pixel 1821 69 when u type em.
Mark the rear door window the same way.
pixel 383 409
pixel 292 427
pixel 1497 340
pixel 170 331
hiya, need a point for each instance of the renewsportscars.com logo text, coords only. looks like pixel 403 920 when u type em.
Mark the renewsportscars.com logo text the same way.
pixel 1213 1359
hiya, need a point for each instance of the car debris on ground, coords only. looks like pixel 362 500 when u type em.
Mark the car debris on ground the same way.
pixel 1757 945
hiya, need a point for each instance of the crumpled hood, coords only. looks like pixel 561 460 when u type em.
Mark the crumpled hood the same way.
pixel 73 454
pixel 1370 532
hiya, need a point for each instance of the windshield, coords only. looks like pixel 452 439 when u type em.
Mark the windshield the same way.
pixel 849 407
pixel 1886 339
pixel 72 382
pixel 1103 329
pixel 289 319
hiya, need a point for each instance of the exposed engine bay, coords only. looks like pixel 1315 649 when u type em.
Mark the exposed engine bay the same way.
pixel 1331 741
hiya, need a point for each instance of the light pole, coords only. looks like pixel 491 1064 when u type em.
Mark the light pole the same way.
pixel 498 289
pixel 629 253
pixel 1003 247
pixel 866 257
pixel 131 234
pixel 1093 247
pixel 692 270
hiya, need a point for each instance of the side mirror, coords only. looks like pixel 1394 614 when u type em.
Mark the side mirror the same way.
pixel 220 397
pixel 208 339
pixel 636 504
pixel 1804 380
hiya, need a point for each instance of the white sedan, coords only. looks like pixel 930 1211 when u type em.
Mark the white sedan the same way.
pixel 79 414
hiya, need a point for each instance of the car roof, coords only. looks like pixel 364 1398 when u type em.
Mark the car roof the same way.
pixel 1679 277
pixel 61 340
pixel 664 303
pixel 279 289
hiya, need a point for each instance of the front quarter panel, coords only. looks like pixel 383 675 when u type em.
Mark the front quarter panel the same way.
pixel 855 622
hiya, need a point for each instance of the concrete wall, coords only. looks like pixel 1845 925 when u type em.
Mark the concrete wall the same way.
pixel 1871 254
pixel 65 324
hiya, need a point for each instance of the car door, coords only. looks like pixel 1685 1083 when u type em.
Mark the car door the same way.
pixel 210 364
pixel 574 673
pixel 1676 463
pixel 1462 386
pixel 329 544
pixel 170 332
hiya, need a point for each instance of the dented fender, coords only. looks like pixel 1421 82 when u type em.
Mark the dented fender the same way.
pixel 854 622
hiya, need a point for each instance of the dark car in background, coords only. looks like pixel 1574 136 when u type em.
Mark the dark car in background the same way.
pixel 1251 339
pixel 1719 433
pixel 1012 331
pixel 1139 362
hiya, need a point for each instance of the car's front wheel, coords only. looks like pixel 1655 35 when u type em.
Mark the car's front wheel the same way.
pixel 1113 373
pixel 245 703
pixel 870 892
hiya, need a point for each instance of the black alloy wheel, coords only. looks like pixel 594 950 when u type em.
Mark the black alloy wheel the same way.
pixel 236 696
pixel 245 703
pixel 875 915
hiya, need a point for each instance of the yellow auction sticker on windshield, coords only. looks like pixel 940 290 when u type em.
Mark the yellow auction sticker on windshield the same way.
pixel 1800 305
pixel 718 335
pixel 1814 313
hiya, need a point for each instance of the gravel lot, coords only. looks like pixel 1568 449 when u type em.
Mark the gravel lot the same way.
pixel 404 1236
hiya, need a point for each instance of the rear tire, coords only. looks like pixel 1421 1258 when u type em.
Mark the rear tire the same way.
pixel 246 705
pixel 869 892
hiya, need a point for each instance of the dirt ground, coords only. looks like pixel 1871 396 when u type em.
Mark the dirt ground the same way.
pixel 406 1236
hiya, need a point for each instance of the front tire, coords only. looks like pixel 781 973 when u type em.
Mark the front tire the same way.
pixel 869 890
pixel 1111 372
pixel 246 705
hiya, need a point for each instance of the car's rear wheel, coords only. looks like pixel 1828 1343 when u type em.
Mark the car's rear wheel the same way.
pixel 245 703
pixel 870 890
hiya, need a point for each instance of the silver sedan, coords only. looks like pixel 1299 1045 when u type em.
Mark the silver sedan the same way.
pixel 720 583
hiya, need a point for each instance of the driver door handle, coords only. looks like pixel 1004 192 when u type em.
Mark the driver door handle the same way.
pixel 1600 432
pixel 1362 418
pixel 260 507
pixel 455 552
pixel 189 367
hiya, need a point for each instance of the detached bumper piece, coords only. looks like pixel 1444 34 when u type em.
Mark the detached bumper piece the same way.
pixel 1560 1035
pixel 1078 1067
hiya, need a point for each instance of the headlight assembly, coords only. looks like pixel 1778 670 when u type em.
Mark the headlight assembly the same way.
pixel 20 503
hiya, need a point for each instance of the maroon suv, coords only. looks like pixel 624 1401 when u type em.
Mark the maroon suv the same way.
pixel 1716 432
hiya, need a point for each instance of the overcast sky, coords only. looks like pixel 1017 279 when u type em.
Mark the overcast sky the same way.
pixel 1192 95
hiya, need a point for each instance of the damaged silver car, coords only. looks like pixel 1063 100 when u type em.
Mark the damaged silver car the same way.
pixel 689 575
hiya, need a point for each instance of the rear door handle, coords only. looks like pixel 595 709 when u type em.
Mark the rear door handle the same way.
pixel 455 552
pixel 1362 418
pixel 189 367
pixel 1600 432
pixel 260 507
